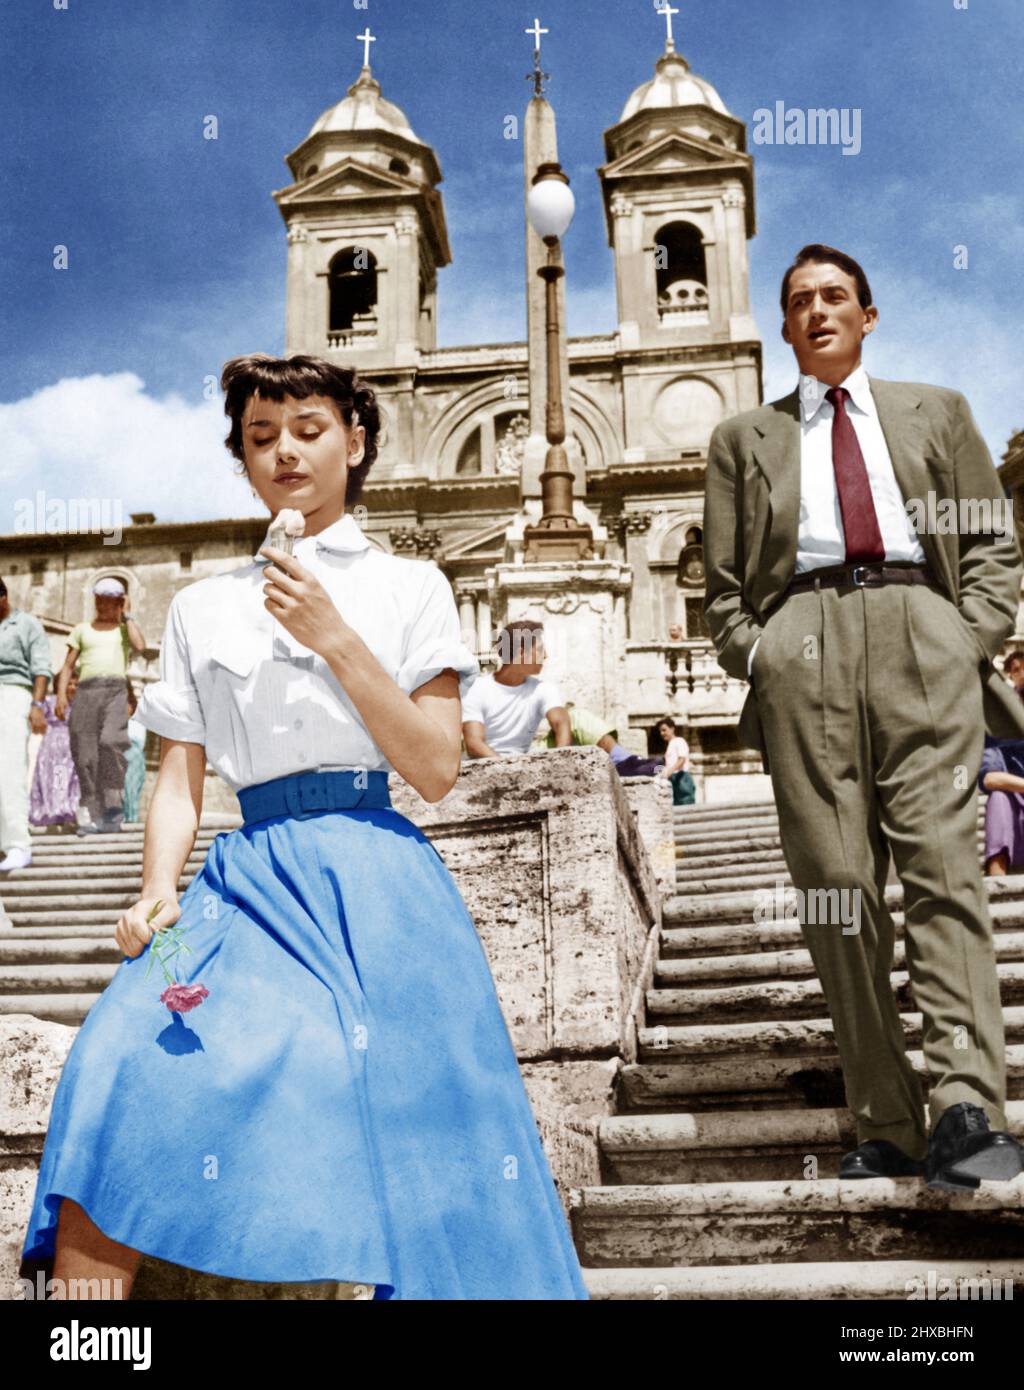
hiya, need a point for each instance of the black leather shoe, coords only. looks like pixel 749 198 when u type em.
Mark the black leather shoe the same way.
pixel 964 1149
pixel 877 1158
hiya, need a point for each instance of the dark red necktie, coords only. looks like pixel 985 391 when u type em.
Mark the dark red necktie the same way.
pixel 860 522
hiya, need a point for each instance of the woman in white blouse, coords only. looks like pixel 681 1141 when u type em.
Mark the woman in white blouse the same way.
pixel 346 1103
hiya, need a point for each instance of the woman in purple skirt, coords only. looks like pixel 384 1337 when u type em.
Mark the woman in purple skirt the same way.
pixel 55 792
pixel 1002 777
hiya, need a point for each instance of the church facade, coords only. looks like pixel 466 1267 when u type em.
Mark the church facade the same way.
pixel 366 241
pixel 458 474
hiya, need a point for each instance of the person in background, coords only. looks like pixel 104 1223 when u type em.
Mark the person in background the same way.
pixel 675 632
pixel 677 762
pixel 1002 777
pixel 99 720
pixel 135 772
pixel 501 712
pixel 25 673
pixel 1013 667
pixel 590 730
pixel 55 792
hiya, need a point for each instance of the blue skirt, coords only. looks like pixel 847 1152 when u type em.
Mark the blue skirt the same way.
pixel 345 1104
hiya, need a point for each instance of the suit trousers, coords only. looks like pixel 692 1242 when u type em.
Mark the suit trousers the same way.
pixel 871 709
pixel 98 730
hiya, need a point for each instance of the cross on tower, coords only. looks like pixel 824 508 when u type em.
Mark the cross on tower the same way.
pixel 366 38
pixel 667 10
pixel 536 31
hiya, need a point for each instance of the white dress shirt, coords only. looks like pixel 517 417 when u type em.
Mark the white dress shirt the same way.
pixel 820 538
pixel 264 705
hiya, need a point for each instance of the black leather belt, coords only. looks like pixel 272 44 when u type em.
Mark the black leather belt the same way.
pixel 864 576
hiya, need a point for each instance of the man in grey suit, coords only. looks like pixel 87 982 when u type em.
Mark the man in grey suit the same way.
pixel 868 640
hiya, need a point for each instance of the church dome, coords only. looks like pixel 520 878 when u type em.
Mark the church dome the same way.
pixel 673 84
pixel 365 109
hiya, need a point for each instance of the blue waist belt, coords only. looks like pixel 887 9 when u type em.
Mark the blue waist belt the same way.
pixel 304 794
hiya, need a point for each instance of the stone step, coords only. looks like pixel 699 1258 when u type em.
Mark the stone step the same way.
pixel 736 908
pixel 48 922
pixel 809 1038
pixel 730 1081
pixel 53 1008
pixel 760 835
pixel 788 999
pixel 782 964
pixel 113 843
pixel 26 950
pixel 863 1279
pixel 821 1221
pixel 62 906
pixel 726 1145
pixel 62 977
pixel 689 942
pixel 724 813
pixel 55 934
pixel 85 869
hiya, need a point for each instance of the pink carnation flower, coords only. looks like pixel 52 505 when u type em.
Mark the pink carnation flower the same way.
pixel 180 998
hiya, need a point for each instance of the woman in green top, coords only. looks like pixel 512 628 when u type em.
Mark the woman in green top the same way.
pixel 98 724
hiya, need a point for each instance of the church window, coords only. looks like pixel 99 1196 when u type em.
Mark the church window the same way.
pixel 682 276
pixel 690 579
pixel 469 455
pixel 352 282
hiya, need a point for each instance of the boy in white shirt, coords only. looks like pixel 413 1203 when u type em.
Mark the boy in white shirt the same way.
pixel 501 712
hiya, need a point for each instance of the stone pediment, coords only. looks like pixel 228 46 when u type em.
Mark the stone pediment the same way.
pixel 675 151
pixel 481 545
pixel 346 180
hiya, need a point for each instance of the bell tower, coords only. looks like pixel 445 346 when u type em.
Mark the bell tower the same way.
pixel 678 191
pixel 366 234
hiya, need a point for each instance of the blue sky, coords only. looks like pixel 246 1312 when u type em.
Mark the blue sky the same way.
pixel 177 251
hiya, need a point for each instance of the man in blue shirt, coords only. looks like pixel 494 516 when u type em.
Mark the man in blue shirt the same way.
pixel 25 672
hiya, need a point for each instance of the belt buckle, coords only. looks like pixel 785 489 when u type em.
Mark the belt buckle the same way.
pixel 863 583
pixel 313 795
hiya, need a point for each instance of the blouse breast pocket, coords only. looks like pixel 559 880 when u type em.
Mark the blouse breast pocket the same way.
pixel 235 649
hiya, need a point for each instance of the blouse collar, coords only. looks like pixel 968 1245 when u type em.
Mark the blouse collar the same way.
pixel 343 535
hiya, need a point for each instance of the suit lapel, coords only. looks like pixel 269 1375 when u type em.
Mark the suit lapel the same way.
pixel 917 468
pixel 776 447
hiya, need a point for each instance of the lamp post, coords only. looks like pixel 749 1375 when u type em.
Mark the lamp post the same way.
pixel 557 535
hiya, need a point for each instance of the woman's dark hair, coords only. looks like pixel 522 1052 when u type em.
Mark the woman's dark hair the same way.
pixel 517 641
pixel 655 742
pixel 816 254
pixel 274 378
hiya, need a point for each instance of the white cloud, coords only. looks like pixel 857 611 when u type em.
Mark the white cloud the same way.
pixel 103 438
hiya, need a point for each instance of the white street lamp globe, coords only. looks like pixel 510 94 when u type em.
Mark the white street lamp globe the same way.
pixel 550 206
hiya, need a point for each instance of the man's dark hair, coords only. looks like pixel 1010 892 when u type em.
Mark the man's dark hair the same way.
pixel 3 589
pixel 1018 655
pixel 299 376
pixel 516 641
pixel 816 254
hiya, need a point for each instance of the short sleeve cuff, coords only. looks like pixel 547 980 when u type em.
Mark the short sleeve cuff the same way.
pixel 431 659
pixel 171 713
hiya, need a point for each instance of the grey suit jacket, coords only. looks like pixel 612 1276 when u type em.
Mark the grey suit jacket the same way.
pixel 751 518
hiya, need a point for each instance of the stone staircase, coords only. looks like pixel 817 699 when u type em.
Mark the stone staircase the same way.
pixel 721 1161
pixel 57 946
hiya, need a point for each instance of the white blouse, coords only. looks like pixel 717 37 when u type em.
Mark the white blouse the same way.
pixel 264 705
